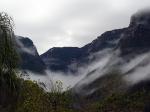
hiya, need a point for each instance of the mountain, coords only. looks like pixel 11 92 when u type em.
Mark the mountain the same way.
pixel 61 58
pixel 30 59
pixel 129 57
pixel 136 37
pixel 133 39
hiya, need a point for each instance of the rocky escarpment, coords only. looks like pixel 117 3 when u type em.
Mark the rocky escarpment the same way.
pixel 137 36
pixel 29 57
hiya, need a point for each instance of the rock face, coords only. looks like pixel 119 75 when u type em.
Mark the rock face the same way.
pixel 30 59
pixel 137 36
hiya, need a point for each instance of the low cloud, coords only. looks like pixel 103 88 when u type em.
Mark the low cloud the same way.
pixel 28 49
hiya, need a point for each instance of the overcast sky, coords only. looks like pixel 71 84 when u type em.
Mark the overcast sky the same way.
pixel 52 23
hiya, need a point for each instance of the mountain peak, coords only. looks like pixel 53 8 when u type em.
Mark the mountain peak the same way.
pixel 136 37
pixel 141 18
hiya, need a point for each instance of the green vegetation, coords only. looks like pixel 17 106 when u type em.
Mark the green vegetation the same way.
pixel 125 102
pixel 9 84
pixel 114 96
pixel 121 102
pixel 32 98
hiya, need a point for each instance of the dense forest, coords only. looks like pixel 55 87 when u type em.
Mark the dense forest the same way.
pixel 19 95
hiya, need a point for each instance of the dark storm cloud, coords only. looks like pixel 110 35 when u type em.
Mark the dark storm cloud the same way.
pixel 52 23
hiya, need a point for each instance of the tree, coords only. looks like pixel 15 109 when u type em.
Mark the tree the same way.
pixel 60 100
pixel 8 55
pixel 8 60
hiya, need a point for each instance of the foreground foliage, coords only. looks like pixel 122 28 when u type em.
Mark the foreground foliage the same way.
pixel 135 99
pixel 32 98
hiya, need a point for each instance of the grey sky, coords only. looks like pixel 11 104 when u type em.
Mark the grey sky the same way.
pixel 52 23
